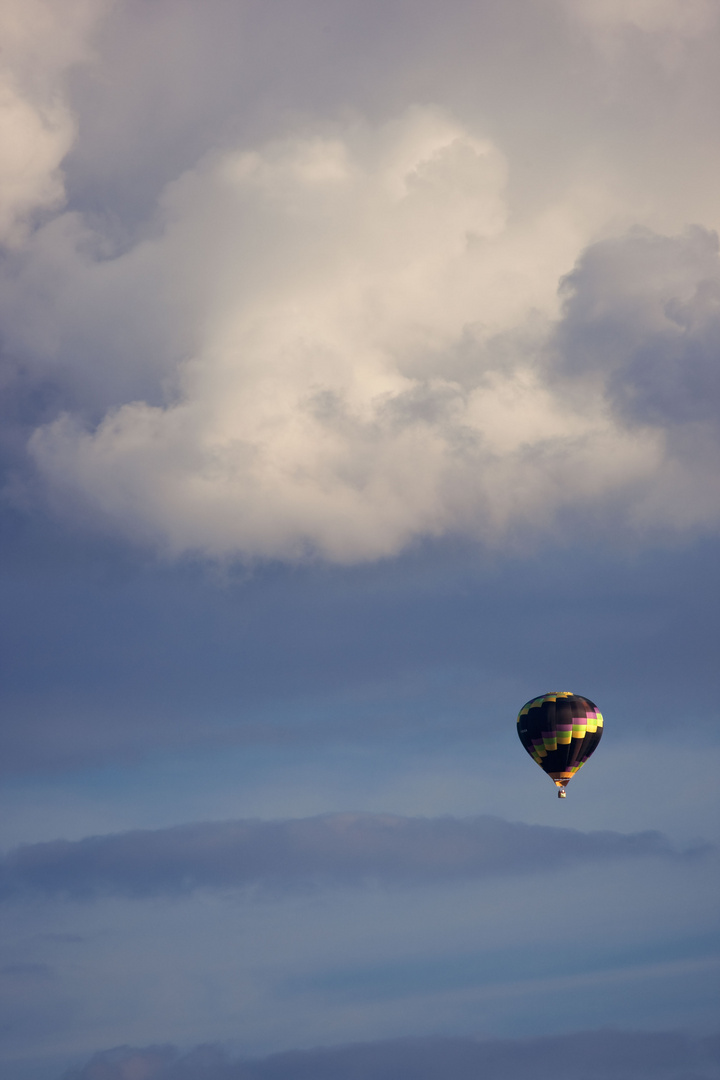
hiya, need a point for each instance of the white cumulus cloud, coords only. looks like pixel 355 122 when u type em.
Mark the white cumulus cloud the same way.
pixel 364 332
pixel 342 339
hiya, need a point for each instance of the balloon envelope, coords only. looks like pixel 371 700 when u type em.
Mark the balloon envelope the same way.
pixel 560 731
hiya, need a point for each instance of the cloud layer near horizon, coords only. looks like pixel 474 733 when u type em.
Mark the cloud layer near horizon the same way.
pixel 589 1055
pixel 330 850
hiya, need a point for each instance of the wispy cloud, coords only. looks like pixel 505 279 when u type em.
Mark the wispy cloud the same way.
pixel 604 1055
pixel 333 849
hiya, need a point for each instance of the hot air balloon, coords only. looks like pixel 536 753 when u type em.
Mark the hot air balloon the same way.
pixel 560 731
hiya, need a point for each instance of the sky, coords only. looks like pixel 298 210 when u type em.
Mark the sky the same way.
pixel 359 381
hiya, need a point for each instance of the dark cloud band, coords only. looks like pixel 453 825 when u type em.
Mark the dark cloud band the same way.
pixel 334 849
pixel 602 1055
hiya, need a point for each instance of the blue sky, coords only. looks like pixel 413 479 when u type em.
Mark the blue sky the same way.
pixel 359 382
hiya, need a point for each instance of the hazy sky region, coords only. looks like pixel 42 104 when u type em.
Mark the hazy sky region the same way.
pixel 360 381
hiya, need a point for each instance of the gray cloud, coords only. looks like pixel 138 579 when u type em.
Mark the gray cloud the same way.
pixel 601 1055
pixel 333 849
pixel 642 314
